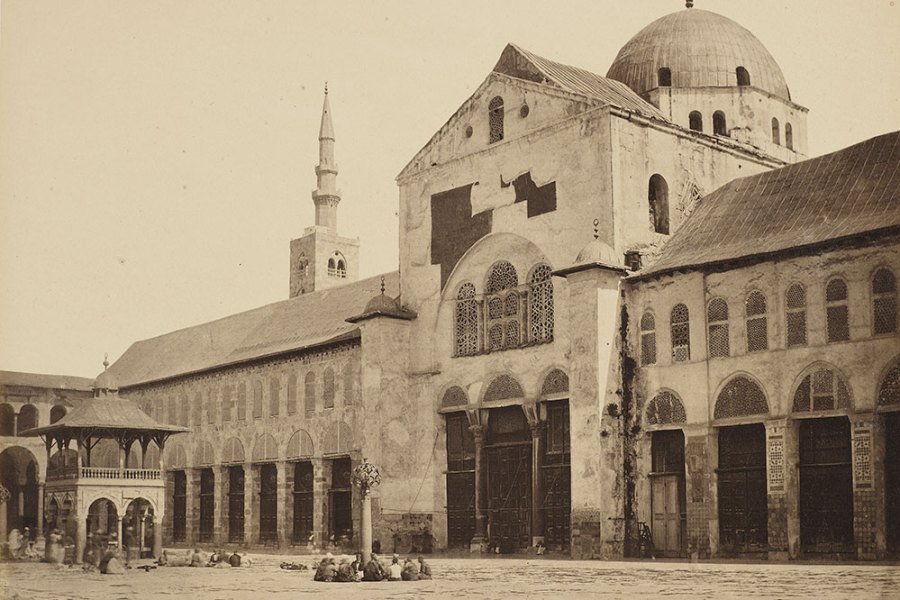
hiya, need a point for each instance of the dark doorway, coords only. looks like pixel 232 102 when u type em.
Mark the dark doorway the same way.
pixel 509 479
pixel 892 479
pixel 826 486
pixel 303 502
pixel 207 504
pixel 667 493
pixel 179 506
pixel 18 474
pixel 340 501
pixel 268 503
pixel 460 481
pixel 743 499
pixel 556 471
pixel 236 504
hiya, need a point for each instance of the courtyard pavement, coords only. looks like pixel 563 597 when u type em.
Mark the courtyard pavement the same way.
pixel 480 578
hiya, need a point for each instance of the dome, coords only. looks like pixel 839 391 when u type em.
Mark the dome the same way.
pixel 382 304
pixel 598 252
pixel 700 49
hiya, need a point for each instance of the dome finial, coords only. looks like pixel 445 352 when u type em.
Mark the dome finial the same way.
pixel 105 360
pixel 596 229
pixel 689 4
pixel 326 88
pixel 382 285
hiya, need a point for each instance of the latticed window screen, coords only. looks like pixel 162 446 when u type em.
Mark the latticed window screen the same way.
pixel 889 392
pixel 541 304
pixel 211 407
pixel 309 393
pixel 495 335
pixel 495 119
pixel 466 321
pixel 740 397
pixel 197 406
pixel 328 388
pixel 241 402
pixel 884 302
pixel 292 394
pixel 717 318
pixel 257 400
pixel 665 408
pixel 274 397
pixel 681 333
pixel 837 318
pixel 796 315
pixel 822 389
pixel 503 311
pixel 648 339
pixel 757 323
pixel 503 277
pixel 349 383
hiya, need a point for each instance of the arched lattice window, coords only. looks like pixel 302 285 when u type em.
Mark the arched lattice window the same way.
pixel 257 399
pixel 328 388
pixel 556 382
pixel 292 394
pixel 242 401
pixel 795 301
pixel 695 121
pixel 274 397
pixel 889 391
pixel 664 77
pixel 503 387
pixel 681 333
pixel 349 383
pixel 776 132
pixel 309 393
pixel 719 125
pixel 495 119
pixel 540 304
pixel 823 389
pixel 331 266
pixel 788 136
pixel 665 408
pixel 658 198
pixel 342 269
pixel 884 302
pixel 717 321
pixel 197 410
pixel 454 396
pixel 648 339
pixel 503 308
pixel 171 411
pixel 466 326
pixel 741 397
pixel 757 322
pixel 837 312
pixel 743 77
pixel 211 406
pixel 57 413
pixel 28 418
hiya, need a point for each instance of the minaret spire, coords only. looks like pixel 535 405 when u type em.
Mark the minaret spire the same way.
pixel 326 195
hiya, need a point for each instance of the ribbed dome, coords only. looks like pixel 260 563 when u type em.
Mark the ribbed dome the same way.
pixel 597 251
pixel 701 49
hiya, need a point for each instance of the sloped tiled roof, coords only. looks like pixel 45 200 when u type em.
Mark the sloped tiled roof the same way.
pixel 300 322
pixel 38 380
pixel 107 412
pixel 522 64
pixel 851 192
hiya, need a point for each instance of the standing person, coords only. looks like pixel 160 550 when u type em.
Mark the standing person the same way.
pixel 424 569
pixel 130 541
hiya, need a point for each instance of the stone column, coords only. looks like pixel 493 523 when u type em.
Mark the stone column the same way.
pixel 478 540
pixel 792 486
pixel 251 505
pixel 366 526
pixel 80 517
pixel 4 499
pixel 39 528
pixel 320 503
pixel 281 499
pixel 118 531
pixel 157 536
pixel 537 483
pixel 864 500
pixel 776 431
pixel 192 506
pixel 701 457
pixel 219 536
pixel 287 526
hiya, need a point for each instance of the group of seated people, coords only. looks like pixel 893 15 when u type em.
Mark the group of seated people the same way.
pixel 219 558
pixel 329 569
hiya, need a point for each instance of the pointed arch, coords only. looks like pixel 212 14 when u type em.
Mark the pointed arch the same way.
pixel 232 451
pixel 741 396
pixel 665 408
pixel 889 388
pixel 300 445
pixel 265 449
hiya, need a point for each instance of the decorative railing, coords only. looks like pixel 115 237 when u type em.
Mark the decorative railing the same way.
pixel 105 473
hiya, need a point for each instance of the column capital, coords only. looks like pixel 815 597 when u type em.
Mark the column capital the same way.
pixel 776 425
pixel 478 432
pixel 537 428
pixel 862 419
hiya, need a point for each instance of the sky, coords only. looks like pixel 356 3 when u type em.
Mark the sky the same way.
pixel 156 158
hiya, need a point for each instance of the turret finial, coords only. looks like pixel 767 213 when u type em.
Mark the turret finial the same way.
pixel 105 360
pixel 596 229
pixel 689 4
pixel 382 285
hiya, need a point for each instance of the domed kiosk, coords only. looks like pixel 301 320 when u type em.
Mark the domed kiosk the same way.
pixel 711 75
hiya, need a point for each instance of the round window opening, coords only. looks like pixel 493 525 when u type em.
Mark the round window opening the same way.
pixel 468 131
pixel 523 112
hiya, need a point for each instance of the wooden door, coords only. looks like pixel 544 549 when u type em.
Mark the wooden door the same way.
pixel 892 479
pixel 509 496
pixel 207 504
pixel 236 504
pixel 303 502
pixel 743 499
pixel 179 506
pixel 826 486
pixel 666 491
pixel 268 503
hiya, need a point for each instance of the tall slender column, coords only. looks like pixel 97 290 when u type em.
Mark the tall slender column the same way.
pixel 478 540
pixel 251 500
pixel 219 505
pixel 701 455
pixel 864 497
pixel 281 499
pixel 39 528
pixel 537 482
pixel 4 499
pixel 157 536
pixel 366 526
pixel 80 516
pixel 320 500
pixel 776 432
pixel 119 531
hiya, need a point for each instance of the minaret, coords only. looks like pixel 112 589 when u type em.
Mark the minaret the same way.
pixel 326 195
pixel 321 258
